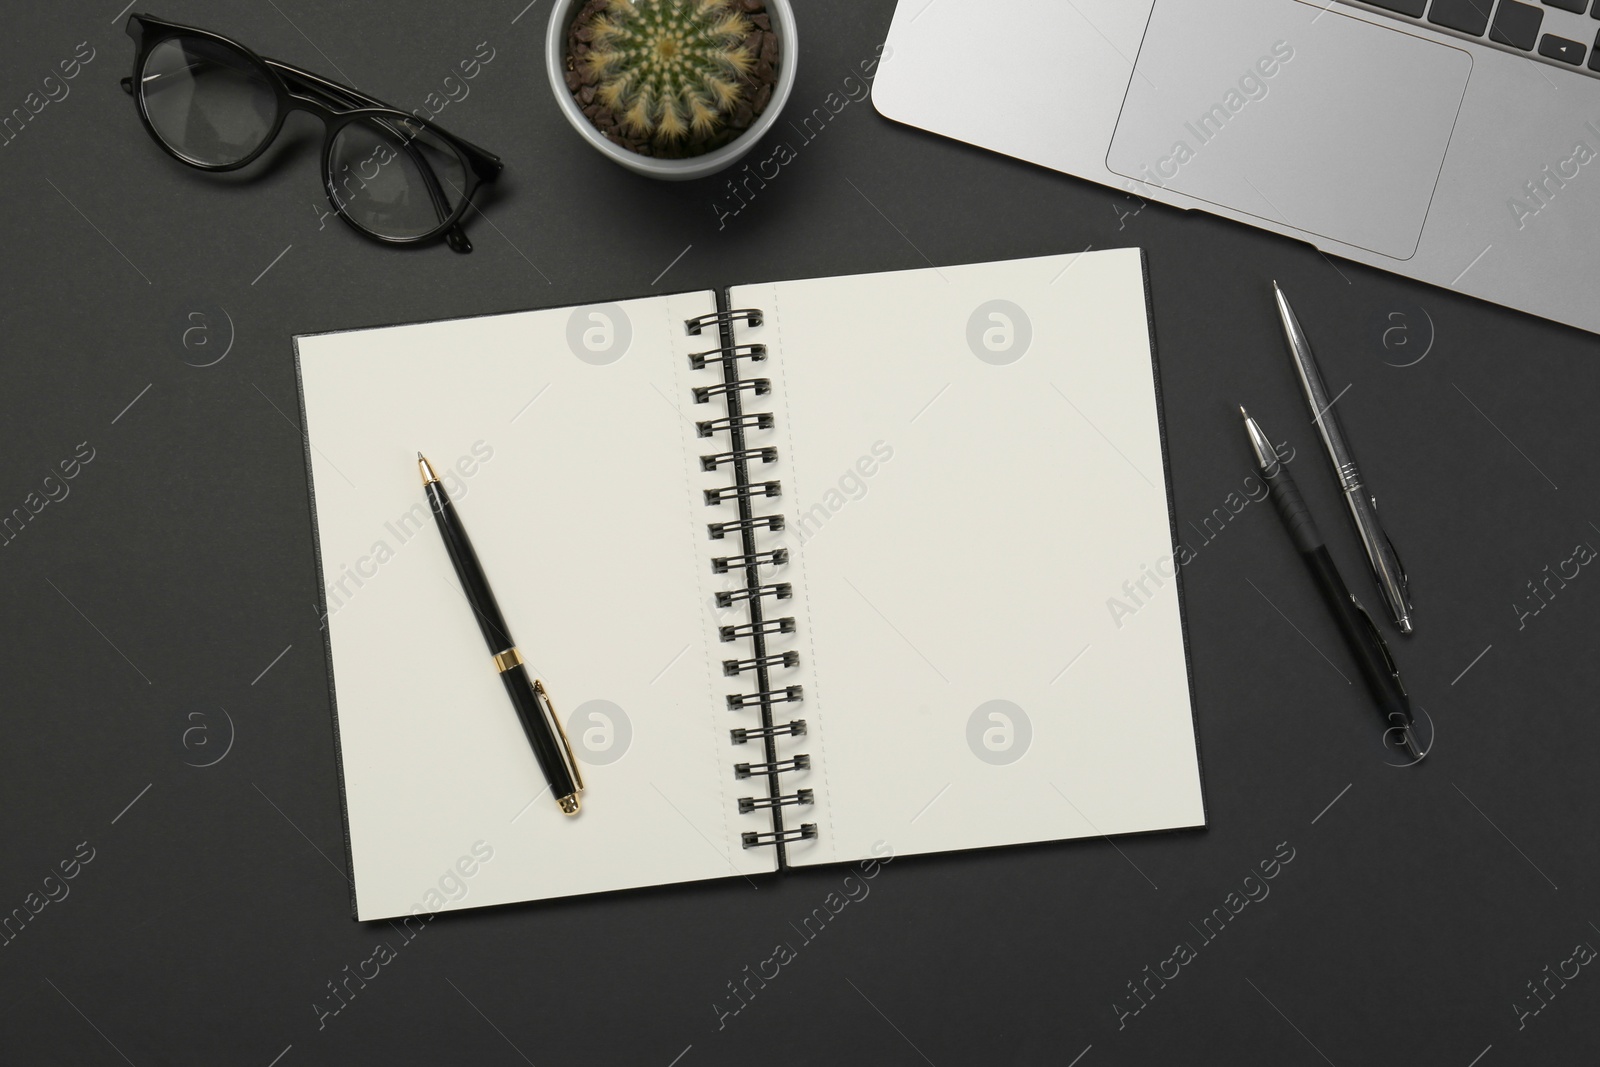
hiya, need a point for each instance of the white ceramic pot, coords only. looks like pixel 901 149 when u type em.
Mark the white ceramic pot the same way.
pixel 555 54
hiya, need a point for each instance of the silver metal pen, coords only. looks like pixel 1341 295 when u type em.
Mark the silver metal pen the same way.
pixel 1387 570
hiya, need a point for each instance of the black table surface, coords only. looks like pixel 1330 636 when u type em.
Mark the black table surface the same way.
pixel 160 615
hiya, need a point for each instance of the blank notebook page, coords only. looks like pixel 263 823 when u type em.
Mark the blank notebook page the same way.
pixel 974 470
pixel 580 508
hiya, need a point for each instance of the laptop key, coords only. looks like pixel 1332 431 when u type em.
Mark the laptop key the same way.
pixel 1594 54
pixel 1568 5
pixel 1553 47
pixel 1516 25
pixel 1414 7
pixel 1468 16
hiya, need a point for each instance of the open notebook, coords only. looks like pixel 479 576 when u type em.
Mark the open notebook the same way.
pixel 875 523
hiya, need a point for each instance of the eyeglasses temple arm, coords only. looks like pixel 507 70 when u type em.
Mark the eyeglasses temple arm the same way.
pixel 343 94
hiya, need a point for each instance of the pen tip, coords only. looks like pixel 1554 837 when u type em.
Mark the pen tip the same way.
pixel 1275 286
pixel 1413 748
pixel 1243 412
pixel 419 457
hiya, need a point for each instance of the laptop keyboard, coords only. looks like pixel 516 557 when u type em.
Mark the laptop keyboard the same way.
pixel 1563 33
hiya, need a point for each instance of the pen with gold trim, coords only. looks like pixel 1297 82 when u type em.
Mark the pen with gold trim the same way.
pixel 528 696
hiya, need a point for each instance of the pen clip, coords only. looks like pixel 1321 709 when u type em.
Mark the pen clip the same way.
pixel 548 707
pixel 1404 576
pixel 1383 646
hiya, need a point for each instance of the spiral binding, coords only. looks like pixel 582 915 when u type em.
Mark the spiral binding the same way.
pixel 804 832
pixel 756 593
pixel 776 558
pixel 723 320
pixel 757 386
pixel 735 423
pixel 791 694
pixel 717 496
pixel 719 530
pixel 749 804
pixel 754 353
pixel 735 667
pixel 765 455
pixel 793 728
pixel 779 590
pixel 782 766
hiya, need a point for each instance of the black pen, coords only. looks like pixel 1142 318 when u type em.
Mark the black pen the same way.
pixel 1366 644
pixel 527 694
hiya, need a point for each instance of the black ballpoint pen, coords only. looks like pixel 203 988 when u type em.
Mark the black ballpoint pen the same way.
pixel 1366 644
pixel 537 714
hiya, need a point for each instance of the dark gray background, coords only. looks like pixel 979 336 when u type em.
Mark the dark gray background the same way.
pixel 179 568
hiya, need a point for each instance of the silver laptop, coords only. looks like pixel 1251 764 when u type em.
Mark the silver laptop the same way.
pixel 1452 141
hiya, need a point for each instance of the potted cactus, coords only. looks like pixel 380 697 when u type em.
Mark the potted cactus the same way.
pixel 672 88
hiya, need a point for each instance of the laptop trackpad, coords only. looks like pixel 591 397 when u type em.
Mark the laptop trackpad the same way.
pixel 1300 116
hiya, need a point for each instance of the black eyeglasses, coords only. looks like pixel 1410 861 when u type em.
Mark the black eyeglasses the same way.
pixel 215 105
